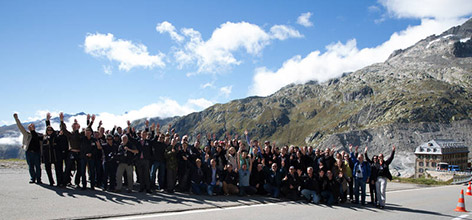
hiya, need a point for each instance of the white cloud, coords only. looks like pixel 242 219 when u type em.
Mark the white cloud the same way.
pixel 201 103
pixel 340 58
pixel 107 69
pixel 207 85
pixel 217 53
pixel 166 27
pixel 439 9
pixel 164 107
pixel 304 19
pixel 226 90
pixel 127 53
pixel 283 32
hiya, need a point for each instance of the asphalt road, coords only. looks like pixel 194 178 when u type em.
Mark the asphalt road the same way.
pixel 21 200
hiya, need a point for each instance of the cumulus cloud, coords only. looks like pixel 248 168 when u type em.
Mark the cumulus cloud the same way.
pixel 217 53
pixel 438 9
pixel 226 90
pixel 128 54
pixel 304 19
pixel 283 32
pixel 166 27
pixel 342 57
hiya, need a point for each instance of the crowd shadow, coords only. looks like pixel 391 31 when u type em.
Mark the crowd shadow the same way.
pixel 220 201
pixel 135 197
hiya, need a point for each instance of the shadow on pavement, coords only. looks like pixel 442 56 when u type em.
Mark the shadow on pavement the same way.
pixel 135 197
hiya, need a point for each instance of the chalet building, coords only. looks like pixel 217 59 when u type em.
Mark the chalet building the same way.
pixel 429 154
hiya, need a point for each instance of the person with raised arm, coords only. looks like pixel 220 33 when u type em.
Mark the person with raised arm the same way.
pixel 383 173
pixel 52 153
pixel 373 176
pixel 88 148
pixel 73 158
pixel 32 145
pixel 361 173
pixel 245 171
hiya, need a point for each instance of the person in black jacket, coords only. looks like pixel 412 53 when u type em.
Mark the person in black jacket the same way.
pixel 383 173
pixel 159 163
pixel 290 184
pixel 109 149
pixel 126 155
pixel 330 187
pixel 143 146
pixel 49 155
pixel 183 171
pixel 88 148
pixel 230 181
pixel 373 177
pixel 214 179
pixel 258 178
pixel 198 176
pixel 273 181
pixel 310 186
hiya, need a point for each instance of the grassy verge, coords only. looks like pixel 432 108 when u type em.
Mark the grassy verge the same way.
pixel 421 181
pixel 12 160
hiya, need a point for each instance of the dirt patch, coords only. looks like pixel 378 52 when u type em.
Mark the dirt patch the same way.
pixel 13 164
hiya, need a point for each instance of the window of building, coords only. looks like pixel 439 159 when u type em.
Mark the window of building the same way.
pixel 420 170
pixel 420 164
pixel 434 157
pixel 427 164
pixel 433 164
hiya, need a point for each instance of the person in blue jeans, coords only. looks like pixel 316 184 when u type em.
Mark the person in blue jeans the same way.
pixel 32 145
pixel 273 181
pixel 361 174
pixel 311 186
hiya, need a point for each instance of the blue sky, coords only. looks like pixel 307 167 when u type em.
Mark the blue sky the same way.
pixel 134 59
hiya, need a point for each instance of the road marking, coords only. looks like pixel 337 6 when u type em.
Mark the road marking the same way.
pixel 190 212
pixel 460 217
pixel 417 189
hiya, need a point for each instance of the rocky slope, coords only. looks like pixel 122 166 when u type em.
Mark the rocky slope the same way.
pixel 418 93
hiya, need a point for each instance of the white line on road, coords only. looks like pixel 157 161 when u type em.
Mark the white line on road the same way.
pixel 417 189
pixel 460 217
pixel 190 212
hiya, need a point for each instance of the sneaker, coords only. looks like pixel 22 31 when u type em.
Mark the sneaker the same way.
pixel 149 191
pixel 31 181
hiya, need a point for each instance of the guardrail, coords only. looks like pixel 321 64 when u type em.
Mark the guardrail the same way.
pixel 459 179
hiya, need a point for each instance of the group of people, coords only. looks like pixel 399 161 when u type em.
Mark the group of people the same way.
pixel 166 161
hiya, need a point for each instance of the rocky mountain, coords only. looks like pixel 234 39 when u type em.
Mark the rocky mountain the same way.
pixel 419 93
